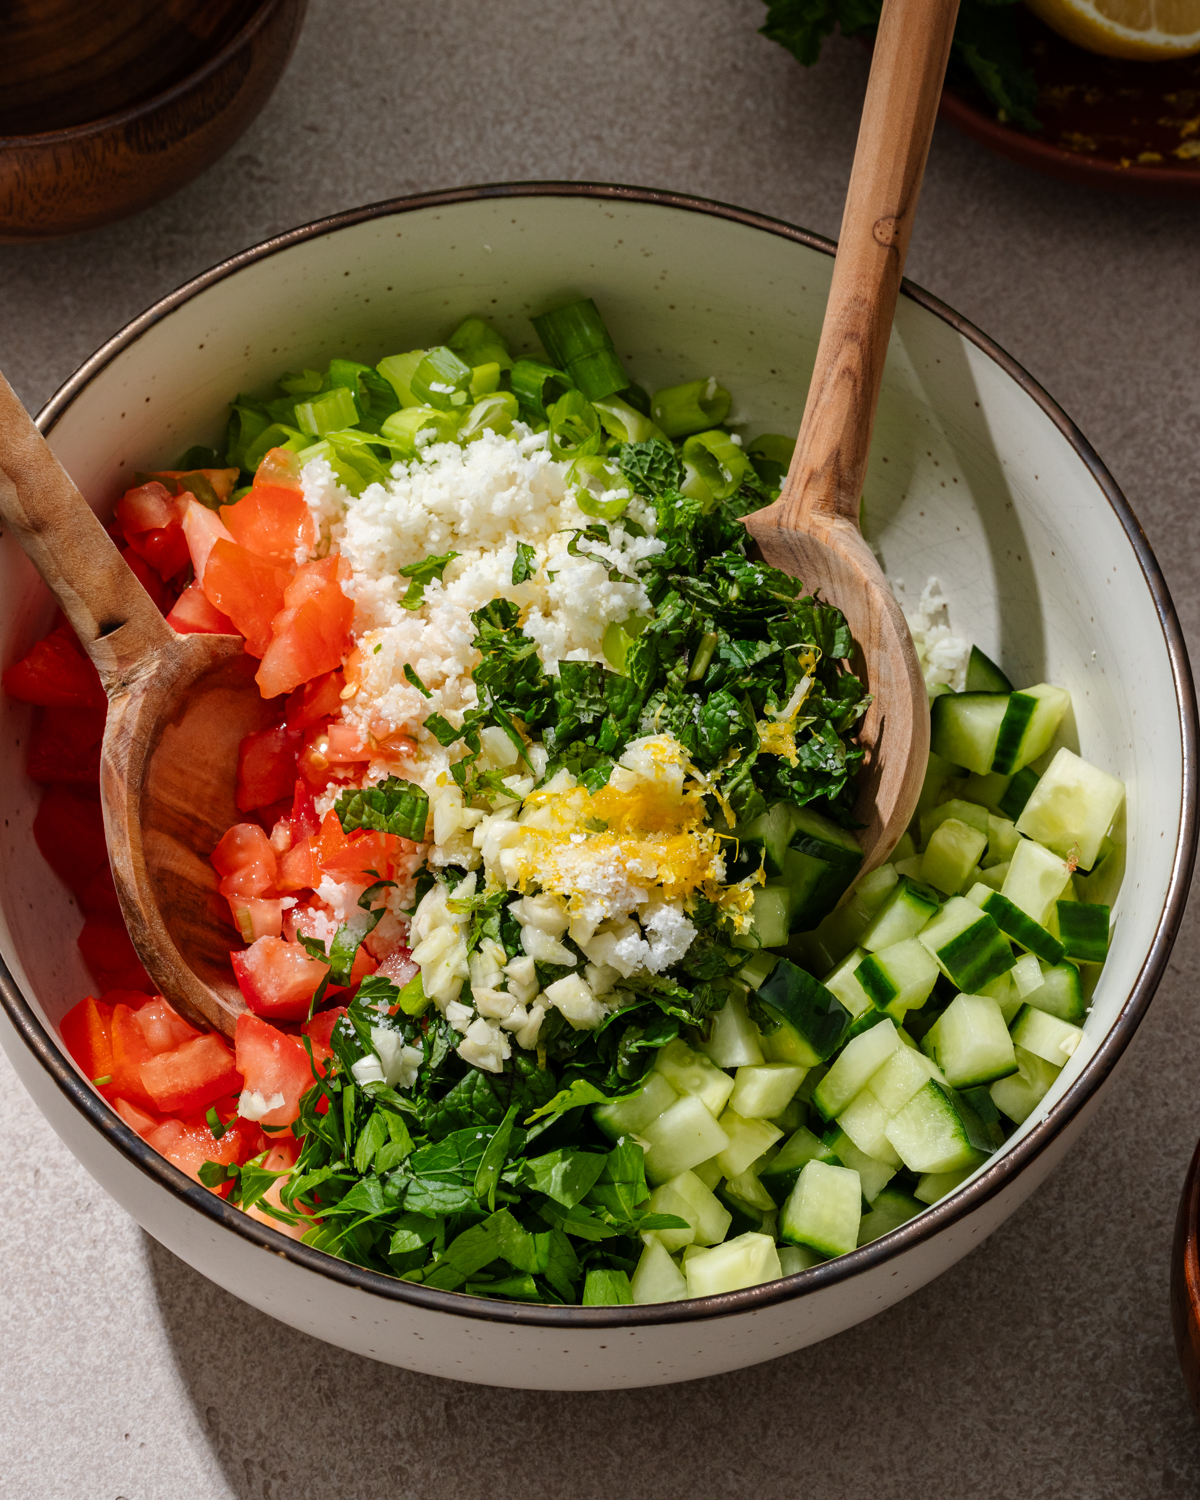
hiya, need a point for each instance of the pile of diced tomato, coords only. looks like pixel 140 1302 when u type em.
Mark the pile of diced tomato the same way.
pixel 237 568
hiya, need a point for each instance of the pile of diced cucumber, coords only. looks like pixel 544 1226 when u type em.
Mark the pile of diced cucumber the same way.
pixel 819 1113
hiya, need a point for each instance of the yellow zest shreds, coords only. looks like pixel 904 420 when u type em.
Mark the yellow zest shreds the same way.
pixel 777 734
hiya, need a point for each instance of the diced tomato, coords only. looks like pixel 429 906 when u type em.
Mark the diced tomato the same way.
pixel 245 860
pixel 55 673
pixel 192 614
pixel 251 592
pixel 320 1029
pixel 86 1030
pixel 313 702
pixel 66 746
pixel 277 978
pixel 271 1063
pixel 147 507
pixel 165 550
pixel 190 1077
pixel 130 1050
pixel 68 829
pixel 279 466
pixel 311 633
pixel 99 897
pixel 365 854
pixel 298 867
pixel 363 965
pixel 331 840
pixel 163 1027
pixel 144 1122
pixel 398 967
pixel 271 522
pixel 303 818
pixel 189 1144
pixel 162 593
pixel 277 1160
pixel 220 481
pixel 266 770
pixel 343 745
pixel 202 528
pixel 110 956
pixel 257 916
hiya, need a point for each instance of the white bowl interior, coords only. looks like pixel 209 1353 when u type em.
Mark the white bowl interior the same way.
pixel 970 478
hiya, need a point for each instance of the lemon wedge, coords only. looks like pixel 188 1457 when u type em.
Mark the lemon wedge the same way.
pixel 1138 29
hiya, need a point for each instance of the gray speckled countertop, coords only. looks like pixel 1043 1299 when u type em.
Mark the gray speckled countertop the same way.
pixel 1042 1364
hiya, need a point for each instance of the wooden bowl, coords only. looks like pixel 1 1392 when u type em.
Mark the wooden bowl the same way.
pixel 1185 1281
pixel 107 107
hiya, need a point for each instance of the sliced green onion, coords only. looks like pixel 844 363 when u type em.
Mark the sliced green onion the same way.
pixel 683 409
pixel 356 449
pixel 274 436
pixel 618 637
pixel 537 386
pixel 479 344
pixel 771 456
pixel 574 426
pixel 576 339
pixel 353 469
pixel 415 427
pixel 718 459
pixel 637 397
pixel 442 379
pixel 374 395
pixel 602 489
pixel 306 383
pixel 494 413
pixel 484 379
pixel 696 487
pixel 702 658
pixel 247 420
pixel 336 408
pixel 624 422
pixel 103 1080
pixel 398 370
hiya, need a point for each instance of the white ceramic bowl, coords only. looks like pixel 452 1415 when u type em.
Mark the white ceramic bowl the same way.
pixel 976 477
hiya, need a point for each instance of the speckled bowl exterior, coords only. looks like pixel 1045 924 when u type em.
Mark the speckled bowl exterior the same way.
pixel 976 478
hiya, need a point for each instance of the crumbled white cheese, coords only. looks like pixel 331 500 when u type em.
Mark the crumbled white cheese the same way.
pixel 942 654
pixel 253 1106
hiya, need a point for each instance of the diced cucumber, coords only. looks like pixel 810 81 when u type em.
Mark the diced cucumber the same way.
pixel 986 790
pixel 757 969
pixel 794 1258
pixel 994 876
pixel 899 978
pixel 823 1210
pixel 984 676
pixel 691 1072
pixel 873 1174
pixel 1029 724
pixel 980 1100
pixel 933 1186
pixel 1026 974
pixel 631 1116
pixel 668 1200
pixel 814 1020
pixel 748 1139
pixel 890 1209
pixel 790 1118
pixel 1071 808
pixel 1046 1036
pixel 874 888
pixel 769 833
pixel 762 1092
pixel 708 1173
pixel 1084 931
pixel 966 812
pixel 826 858
pixel 1006 995
pixel 966 726
pixel 1100 887
pixel 1036 879
pixel 681 1137
pixel 692 1200
pixel 911 868
pixel 743 1215
pixel 748 1260
pixel 864 1120
pixel 778 1177
pixel 1061 992
pixel 1020 788
pixel 937 1131
pixel 970 1042
pixel 657 1277
pixel 852 1071
pixel 953 851
pixel 746 1188
pixel 968 946
pixel 771 914
pixel 1003 839
pixel 1020 926
pixel 828 943
pixel 1019 1095
pixel 902 1075
pixel 734 1041
pixel 902 915
pixel 846 985
pixel 937 772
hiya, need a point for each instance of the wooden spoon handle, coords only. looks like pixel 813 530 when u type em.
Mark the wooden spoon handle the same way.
pixel 116 620
pixel 909 64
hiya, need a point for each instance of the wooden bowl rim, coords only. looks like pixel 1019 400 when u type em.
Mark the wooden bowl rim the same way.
pixel 211 66
pixel 994 1178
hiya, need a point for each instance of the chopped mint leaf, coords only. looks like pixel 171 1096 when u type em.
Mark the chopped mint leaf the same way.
pixel 422 573
pixel 411 676
pixel 524 564
pixel 391 806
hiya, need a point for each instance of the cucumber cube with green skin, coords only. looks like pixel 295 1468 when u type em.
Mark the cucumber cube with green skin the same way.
pixel 691 1072
pixel 966 943
pixel 1003 839
pixel 1100 886
pixel 1006 995
pixel 631 1116
pixel 691 1199
pixel 994 876
pixel 1060 992
pixel 906 910
pixel 859 1061
pixel 889 1210
pixel 816 1019
pixel 770 833
pixel 1036 879
pixel 873 889
pixel 970 1042
pixel 1021 927
pixel 708 1173
pixel 986 791
pixel 1046 1036
pixel 900 978
pixel 845 984
pixel 681 1137
pixel 1020 789
pixel 981 1101
pixel 953 851
pixel 864 1121
pixel 746 1188
pixel 824 1209
pixel 956 807
pixel 757 969
pixel 760 1093
pixel 778 1177
pixel 667 1200
pixel 734 1041
pixel 1083 928
pixel 1071 808
pixel 791 1117
pixel 903 1075
pixel 1019 1095
pixel 657 1277
pixel 770 915
pixel 933 1186
pixel 1029 724
pixel 820 866
pixel 938 771
pixel 1027 975
pixel 964 728
pixel 747 1140
pixel 937 1131
pixel 748 1260
pixel 743 1216
pixel 795 1258
pixel 873 1175
pixel 984 676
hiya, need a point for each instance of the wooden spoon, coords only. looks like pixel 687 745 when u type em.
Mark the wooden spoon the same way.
pixel 178 708
pixel 812 530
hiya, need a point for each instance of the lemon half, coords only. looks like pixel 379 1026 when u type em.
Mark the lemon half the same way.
pixel 1146 29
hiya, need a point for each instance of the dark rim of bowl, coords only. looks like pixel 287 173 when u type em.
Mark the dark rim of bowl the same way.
pixel 993 1180
pixel 48 138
